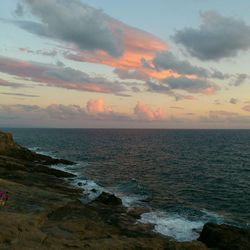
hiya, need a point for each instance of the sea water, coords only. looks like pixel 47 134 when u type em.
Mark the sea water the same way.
pixel 184 177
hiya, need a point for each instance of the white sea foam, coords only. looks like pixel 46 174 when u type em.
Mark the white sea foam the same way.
pixel 42 152
pixel 174 226
pixel 131 200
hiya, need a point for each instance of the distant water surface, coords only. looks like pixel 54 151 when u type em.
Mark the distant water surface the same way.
pixel 187 177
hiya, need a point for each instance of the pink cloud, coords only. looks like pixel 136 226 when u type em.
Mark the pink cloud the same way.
pixel 98 106
pixel 55 76
pixel 145 112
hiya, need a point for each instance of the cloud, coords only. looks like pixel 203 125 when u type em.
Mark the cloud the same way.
pixel 18 94
pixel 176 107
pixel 19 109
pixel 166 60
pixel 19 10
pixel 233 101
pixel 131 74
pixel 240 79
pixel 158 87
pixel 5 83
pixel 165 89
pixel 95 109
pixel 44 52
pixel 144 112
pixel 191 85
pixel 88 28
pixel 246 108
pixel 98 106
pixel 228 119
pixel 217 37
pixel 56 76
pixel 62 112
pixel 219 113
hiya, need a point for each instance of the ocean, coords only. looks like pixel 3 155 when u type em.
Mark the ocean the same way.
pixel 184 177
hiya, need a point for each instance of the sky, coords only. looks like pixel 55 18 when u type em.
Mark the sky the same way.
pixel 125 64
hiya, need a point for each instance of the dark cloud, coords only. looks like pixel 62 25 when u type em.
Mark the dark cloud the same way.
pixel 219 75
pixel 167 61
pixel 40 52
pixel 19 10
pixel 88 28
pixel 30 26
pixel 60 111
pixel 157 87
pixel 217 37
pixel 5 83
pixel 18 109
pixel 191 85
pixel 60 64
pixel 165 89
pixel 233 101
pixel 18 94
pixel 240 79
pixel 130 74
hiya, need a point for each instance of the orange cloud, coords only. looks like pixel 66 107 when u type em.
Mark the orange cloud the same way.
pixel 138 45
pixel 144 112
pixel 98 106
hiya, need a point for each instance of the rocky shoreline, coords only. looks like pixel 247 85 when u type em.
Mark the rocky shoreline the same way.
pixel 45 212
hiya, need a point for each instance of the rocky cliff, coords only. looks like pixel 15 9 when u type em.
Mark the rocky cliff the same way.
pixel 9 148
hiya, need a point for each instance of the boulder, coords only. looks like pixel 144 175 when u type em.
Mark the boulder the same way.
pixel 225 237
pixel 108 199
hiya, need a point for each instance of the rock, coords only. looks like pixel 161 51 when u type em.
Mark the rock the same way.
pixel 79 184
pixel 137 211
pixel 9 148
pixel 6 142
pixel 225 237
pixel 108 199
pixel 93 190
pixel 193 245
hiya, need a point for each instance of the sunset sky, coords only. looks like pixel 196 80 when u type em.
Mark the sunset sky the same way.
pixel 125 64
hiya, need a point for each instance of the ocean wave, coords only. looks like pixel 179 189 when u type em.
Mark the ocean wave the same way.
pixel 177 226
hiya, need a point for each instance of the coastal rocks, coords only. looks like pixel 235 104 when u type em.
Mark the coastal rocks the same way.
pixel 193 245
pixel 6 142
pixel 137 211
pixel 9 148
pixel 109 199
pixel 225 237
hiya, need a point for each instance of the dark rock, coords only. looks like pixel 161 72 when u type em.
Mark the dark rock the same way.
pixel 79 184
pixel 225 237
pixel 137 211
pixel 9 148
pixel 193 245
pixel 108 199
pixel 93 190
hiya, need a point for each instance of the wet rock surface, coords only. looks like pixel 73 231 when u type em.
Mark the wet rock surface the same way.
pixel 109 199
pixel 225 237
